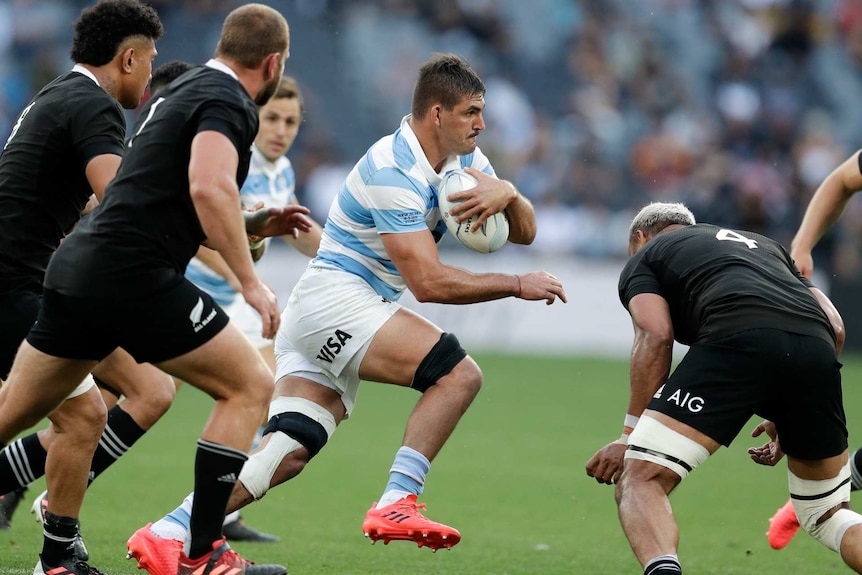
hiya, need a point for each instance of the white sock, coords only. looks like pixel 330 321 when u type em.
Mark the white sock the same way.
pixel 175 525
pixel 231 517
pixel 391 497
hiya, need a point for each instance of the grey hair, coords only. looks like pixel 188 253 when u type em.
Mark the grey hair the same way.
pixel 656 216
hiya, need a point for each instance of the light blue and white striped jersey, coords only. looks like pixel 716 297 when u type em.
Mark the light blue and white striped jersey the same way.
pixel 392 189
pixel 274 184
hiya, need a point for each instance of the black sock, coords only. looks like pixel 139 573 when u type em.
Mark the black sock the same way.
pixel 663 565
pixel 121 432
pixel 59 539
pixel 856 470
pixel 22 463
pixel 217 468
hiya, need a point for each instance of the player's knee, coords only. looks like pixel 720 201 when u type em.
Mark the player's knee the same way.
pixel 656 443
pixel 440 361
pixel 161 394
pixel 261 386
pixel 83 416
pixel 296 424
pixel 814 500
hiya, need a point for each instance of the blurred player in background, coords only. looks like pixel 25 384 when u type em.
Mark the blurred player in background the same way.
pixel 763 340
pixel 823 211
pixel 167 73
pixel 64 148
pixel 117 281
pixel 380 239
pixel 271 182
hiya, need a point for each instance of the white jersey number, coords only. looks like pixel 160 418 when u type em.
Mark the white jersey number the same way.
pixel 732 236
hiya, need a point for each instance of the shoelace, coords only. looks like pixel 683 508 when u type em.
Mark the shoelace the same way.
pixel 413 509
pixel 413 506
pixel 235 558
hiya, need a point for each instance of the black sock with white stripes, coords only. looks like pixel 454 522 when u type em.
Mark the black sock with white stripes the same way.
pixel 21 463
pixel 121 432
pixel 217 468
pixel 856 470
pixel 663 565
pixel 59 539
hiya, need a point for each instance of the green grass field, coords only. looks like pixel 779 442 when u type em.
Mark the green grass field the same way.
pixel 511 479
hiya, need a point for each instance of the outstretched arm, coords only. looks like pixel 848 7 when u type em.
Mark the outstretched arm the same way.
pixel 823 211
pixel 430 280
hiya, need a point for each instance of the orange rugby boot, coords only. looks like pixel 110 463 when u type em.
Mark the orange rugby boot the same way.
pixel 782 526
pixel 156 555
pixel 223 560
pixel 403 521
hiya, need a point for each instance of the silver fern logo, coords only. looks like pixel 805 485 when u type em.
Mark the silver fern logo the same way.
pixel 197 312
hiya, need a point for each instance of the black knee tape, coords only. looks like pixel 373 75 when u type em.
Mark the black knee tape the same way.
pixel 102 385
pixel 443 357
pixel 301 428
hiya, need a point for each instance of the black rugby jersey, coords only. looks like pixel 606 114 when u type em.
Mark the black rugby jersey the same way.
pixel 143 235
pixel 43 184
pixel 718 282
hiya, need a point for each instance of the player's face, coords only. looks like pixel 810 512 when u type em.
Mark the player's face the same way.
pixel 461 125
pixel 141 72
pixel 279 124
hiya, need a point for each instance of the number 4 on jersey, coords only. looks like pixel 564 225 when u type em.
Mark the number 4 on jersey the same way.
pixel 733 236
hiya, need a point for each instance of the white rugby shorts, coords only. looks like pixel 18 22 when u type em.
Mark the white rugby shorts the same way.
pixel 248 320
pixel 326 328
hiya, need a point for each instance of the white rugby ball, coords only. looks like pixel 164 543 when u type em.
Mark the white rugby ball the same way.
pixel 493 234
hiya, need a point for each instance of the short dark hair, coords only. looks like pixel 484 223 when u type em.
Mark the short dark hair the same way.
pixel 251 33
pixel 102 28
pixel 167 73
pixel 447 79
pixel 288 88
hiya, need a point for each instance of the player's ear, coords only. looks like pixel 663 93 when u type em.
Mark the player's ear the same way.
pixel 272 66
pixel 127 59
pixel 436 111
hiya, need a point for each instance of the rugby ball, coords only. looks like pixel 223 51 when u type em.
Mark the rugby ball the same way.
pixel 493 234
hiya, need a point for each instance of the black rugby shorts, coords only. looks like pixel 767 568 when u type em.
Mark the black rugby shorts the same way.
pixel 793 380
pixel 152 328
pixel 20 304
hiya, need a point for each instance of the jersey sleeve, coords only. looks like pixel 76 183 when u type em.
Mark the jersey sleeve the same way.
pixel 395 202
pixel 636 278
pixel 97 128
pixel 230 119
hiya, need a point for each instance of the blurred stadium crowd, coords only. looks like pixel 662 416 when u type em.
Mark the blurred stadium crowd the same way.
pixel 737 107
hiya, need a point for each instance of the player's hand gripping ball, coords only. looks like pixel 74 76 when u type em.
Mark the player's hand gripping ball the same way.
pixel 494 232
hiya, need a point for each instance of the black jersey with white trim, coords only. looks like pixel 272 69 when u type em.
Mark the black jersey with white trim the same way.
pixel 43 182
pixel 718 282
pixel 146 230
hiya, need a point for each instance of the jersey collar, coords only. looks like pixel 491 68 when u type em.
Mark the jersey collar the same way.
pixel 81 70
pixel 451 163
pixel 213 63
pixel 271 169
